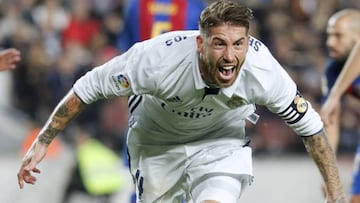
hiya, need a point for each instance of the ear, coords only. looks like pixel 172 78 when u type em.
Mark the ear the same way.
pixel 199 42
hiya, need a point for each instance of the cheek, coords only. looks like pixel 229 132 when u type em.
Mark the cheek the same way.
pixel 241 55
pixel 214 55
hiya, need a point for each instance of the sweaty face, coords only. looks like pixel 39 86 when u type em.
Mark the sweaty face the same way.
pixel 222 53
pixel 340 38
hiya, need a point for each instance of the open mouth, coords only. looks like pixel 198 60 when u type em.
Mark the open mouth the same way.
pixel 226 72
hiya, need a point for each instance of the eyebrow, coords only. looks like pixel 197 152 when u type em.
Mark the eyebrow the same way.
pixel 220 39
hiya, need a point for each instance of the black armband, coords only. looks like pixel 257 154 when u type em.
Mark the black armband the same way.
pixel 296 110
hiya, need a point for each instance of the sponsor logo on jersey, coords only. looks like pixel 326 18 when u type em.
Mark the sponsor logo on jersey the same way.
pixel 174 99
pixel 193 113
pixel 235 101
pixel 121 81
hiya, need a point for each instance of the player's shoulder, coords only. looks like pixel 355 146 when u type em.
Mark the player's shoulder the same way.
pixel 166 50
pixel 175 37
pixel 175 44
pixel 167 40
pixel 258 54
pixel 257 47
pixel 334 66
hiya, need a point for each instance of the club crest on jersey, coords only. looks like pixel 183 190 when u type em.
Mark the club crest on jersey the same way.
pixel 235 101
pixel 121 81
pixel 301 104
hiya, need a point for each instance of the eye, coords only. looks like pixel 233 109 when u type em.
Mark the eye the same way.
pixel 219 44
pixel 239 44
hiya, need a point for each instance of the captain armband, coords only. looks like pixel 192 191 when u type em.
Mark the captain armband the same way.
pixel 295 111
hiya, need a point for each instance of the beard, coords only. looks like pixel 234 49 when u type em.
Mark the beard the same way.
pixel 210 72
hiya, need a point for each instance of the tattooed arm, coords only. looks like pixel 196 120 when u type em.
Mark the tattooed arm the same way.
pixel 64 112
pixel 321 152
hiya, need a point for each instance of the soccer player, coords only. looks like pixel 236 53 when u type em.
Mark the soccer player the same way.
pixel 347 76
pixel 145 19
pixel 343 32
pixel 190 93
pixel 8 58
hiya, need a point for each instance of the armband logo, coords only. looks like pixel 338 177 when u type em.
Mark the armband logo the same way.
pixel 295 111
pixel 301 104
pixel 121 81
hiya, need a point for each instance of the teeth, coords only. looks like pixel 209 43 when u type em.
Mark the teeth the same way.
pixel 227 67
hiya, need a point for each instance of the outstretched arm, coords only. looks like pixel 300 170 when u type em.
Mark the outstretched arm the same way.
pixel 320 150
pixel 65 111
pixel 350 71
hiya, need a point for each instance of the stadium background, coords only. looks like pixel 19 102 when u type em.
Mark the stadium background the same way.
pixel 52 58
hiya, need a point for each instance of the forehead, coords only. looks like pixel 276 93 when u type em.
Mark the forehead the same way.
pixel 228 32
pixel 339 25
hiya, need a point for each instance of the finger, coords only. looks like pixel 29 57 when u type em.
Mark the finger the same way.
pixel 24 176
pixel 30 179
pixel 17 58
pixel 20 180
pixel 327 122
pixel 12 66
pixel 36 170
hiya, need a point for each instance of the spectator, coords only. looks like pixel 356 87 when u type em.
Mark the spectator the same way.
pixel 343 32
pixel 146 18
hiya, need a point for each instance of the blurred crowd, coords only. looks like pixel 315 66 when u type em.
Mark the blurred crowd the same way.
pixel 295 32
pixel 62 39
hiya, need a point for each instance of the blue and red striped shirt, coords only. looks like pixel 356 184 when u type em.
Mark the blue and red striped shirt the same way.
pixel 145 19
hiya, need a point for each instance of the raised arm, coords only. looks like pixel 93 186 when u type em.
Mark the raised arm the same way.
pixel 65 111
pixel 350 71
pixel 320 150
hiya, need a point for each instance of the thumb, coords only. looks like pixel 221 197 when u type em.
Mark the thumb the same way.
pixel 37 155
pixel 31 165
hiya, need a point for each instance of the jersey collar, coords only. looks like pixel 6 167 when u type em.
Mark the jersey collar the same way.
pixel 229 91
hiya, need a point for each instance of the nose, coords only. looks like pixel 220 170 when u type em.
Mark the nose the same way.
pixel 330 41
pixel 229 55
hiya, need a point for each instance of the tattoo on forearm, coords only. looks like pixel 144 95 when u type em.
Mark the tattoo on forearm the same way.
pixel 63 114
pixel 320 150
pixel 47 136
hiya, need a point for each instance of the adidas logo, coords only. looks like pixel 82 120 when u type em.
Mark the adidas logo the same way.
pixel 174 99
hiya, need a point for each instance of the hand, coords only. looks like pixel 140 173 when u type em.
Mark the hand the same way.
pixel 342 200
pixel 328 109
pixel 34 156
pixel 9 58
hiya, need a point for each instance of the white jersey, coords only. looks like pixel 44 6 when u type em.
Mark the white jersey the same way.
pixel 171 104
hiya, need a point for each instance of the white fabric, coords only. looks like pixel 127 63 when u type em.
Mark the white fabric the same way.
pixel 170 172
pixel 223 189
pixel 168 80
